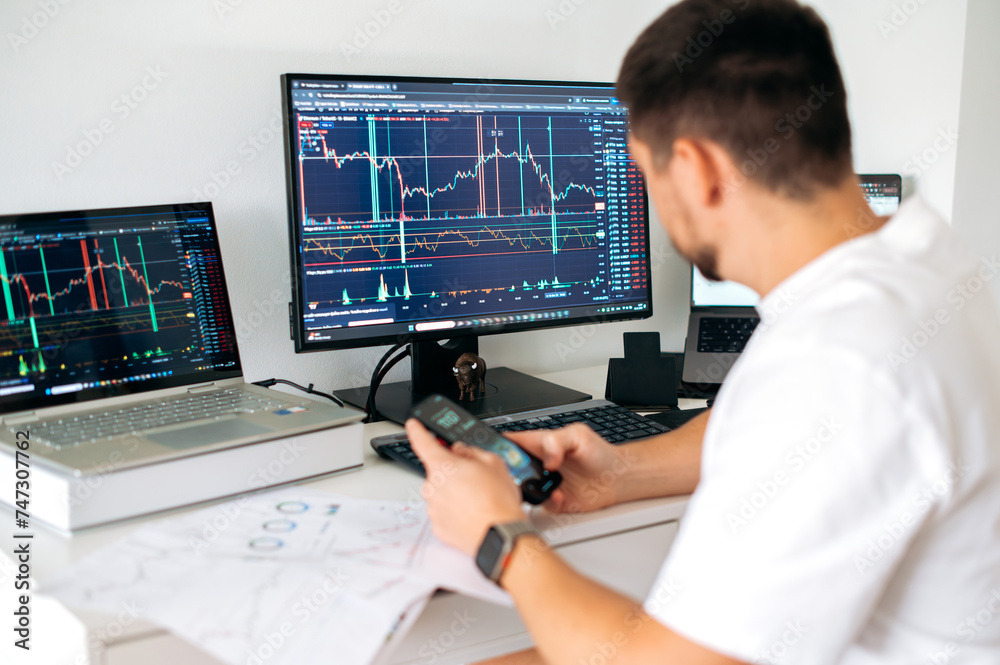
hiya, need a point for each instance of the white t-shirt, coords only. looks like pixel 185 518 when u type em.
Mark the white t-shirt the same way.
pixel 849 506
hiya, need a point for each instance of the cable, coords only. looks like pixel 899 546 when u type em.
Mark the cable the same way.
pixel 381 369
pixel 373 384
pixel 267 383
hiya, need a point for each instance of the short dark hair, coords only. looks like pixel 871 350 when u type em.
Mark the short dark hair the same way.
pixel 758 77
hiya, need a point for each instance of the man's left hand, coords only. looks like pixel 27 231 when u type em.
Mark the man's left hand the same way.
pixel 468 490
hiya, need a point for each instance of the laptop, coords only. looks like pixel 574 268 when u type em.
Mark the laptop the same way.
pixel 723 315
pixel 117 343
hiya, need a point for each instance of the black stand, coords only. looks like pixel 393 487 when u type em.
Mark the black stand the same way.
pixel 643 378
pixel 507 390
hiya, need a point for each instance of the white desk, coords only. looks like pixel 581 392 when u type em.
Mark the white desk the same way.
pixel 622 546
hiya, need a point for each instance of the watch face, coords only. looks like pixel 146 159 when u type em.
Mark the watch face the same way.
pixel 489 552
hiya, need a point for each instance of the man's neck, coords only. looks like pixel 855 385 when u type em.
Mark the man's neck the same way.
pixel 784 236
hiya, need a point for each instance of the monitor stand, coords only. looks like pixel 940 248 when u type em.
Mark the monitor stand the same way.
pixel 507 390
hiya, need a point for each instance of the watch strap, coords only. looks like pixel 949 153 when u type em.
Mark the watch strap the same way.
pixel 509 533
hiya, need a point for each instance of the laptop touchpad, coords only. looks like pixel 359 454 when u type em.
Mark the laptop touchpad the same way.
pixel 217 432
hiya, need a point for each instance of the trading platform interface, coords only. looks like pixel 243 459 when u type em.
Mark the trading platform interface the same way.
pixel 108 302
pixel 426 206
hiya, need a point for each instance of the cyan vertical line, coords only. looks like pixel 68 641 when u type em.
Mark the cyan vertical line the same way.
pixel 6 287
pixel 552 190
pixel 121 272
pixel 45 272
pixel 149 292
pixel 34 331
pixel 520 161
pixel 373 153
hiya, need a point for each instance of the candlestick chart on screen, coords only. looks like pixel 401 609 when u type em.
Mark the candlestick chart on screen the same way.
pixel 74 296
pixel 488 209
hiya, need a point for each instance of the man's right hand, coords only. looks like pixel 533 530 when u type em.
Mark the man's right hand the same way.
pixel 597 474
pixel 592 469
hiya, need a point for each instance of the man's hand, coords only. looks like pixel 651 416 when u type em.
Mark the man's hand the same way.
pixel 592 468
pixel 468 490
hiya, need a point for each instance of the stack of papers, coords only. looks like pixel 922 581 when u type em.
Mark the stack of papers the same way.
pixel 293 576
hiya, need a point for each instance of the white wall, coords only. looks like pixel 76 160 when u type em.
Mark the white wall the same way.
pixel 211 67
pixel 977 174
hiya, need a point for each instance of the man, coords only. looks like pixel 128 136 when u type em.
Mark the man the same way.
pixel 846 486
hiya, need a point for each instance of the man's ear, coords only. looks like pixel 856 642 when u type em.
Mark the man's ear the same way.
pixel 700 170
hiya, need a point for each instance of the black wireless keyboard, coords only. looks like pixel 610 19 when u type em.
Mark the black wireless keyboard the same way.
pixel 615 423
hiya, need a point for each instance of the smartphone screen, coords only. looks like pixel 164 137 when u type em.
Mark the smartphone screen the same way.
pixel 472 432
pixel 452 423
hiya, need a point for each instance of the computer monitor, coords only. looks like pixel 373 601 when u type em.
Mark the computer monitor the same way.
pixel 425 209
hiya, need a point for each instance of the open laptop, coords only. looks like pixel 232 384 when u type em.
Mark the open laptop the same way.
pixel 723 315
pixel 117 342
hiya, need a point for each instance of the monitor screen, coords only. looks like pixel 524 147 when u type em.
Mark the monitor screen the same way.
pixel 430 208
pixel 883 193
pixel 108 302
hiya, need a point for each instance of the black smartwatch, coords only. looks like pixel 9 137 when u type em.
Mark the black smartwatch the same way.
pixel 497 546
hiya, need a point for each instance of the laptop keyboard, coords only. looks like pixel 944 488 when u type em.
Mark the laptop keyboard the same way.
pixel 106 424
pixel 725 334
pixel 615 423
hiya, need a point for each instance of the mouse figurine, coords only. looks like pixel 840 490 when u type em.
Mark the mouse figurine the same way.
pixel 470 372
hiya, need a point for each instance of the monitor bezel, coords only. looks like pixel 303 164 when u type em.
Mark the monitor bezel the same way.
pixel 296 305
pixel 14 404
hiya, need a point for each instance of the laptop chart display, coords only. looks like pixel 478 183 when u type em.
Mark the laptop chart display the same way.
pixel 110 302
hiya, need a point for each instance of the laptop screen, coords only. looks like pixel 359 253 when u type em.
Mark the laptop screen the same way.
pixel 97 303
pixel 883 192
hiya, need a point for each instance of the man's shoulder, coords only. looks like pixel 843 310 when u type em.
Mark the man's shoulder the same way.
pixel 909 281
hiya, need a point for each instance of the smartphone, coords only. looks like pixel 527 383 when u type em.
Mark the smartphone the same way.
pixel 452 423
